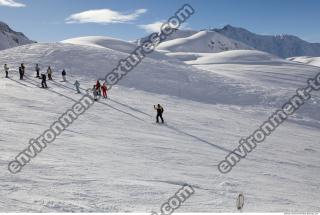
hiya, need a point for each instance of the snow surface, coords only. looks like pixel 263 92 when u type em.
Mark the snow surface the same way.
pixel 178 33
pixel 112 44
pixel 114 158
pixel 313 61
pixel 203 41
pixel 228 57
pixel 235 38
pixel 103 42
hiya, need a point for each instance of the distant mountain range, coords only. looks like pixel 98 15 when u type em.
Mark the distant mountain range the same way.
pixel 205 41
pixel 10 38
pixel 283 46
pixel 234 38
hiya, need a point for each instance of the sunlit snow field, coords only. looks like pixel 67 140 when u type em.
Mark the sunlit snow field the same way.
pixel 115 158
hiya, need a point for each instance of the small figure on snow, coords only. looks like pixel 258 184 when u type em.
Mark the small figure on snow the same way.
pixel 37 71
pixel 77 85
pixel 23 68
pixel 160 111
pixel 63 73
pixel 49 72
pixel 98 88
pixel 44 81
pixel 6 69
pixel 21 73
pixel 104 90
pixel 95 92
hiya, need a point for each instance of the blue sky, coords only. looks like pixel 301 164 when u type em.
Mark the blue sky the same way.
pixel 46 20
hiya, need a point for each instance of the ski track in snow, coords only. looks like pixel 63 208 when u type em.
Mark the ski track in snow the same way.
pixel 114 158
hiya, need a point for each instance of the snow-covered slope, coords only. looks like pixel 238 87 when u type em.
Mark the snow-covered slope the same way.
pixel 103 42
pixel 157 75
pixel 283 46
pixel 313 61
pixel 10 38
pixel 204 42
pixel 114 158
pixel 228 57
pixel 234 38
pixel 256 69
pixel 178 33
pixel 181 33
pixel 112 44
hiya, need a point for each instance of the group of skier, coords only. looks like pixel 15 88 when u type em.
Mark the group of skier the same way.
pixel 41 76
pixel 98 90
pixel 21 70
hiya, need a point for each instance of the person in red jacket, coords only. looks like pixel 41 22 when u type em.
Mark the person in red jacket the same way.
pixel 104 90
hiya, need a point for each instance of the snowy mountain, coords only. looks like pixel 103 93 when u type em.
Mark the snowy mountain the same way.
pixel 228 57
pixel 234 38
pixel 178 33
pixel 114 158
pixel 283 46
pixel 10 38
pixel 202 42
pixel 103 42
pixel 112 44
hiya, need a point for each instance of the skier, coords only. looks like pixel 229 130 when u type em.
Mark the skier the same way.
pixel 77 85
pixel 63 73
pixel 49 72
pixel 104 90
pixel 95 92
pixel 159 110
pixel 6 69
pixel 23 68
pixel 44 81
pixel 38 71
pixel 21 73
pixel 98 88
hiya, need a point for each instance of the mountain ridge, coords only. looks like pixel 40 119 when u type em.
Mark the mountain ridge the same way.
pixel 281 45
pixel 10 38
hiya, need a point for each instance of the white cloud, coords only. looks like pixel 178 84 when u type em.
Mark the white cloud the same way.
pixel 156 26
pixel 11 3
pixel 152 27
pixel 104 16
